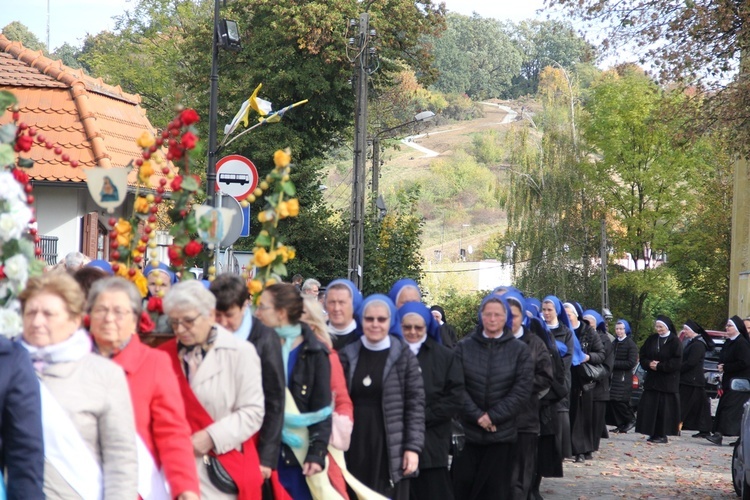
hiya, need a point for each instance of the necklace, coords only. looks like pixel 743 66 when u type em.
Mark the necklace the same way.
pixel 367 381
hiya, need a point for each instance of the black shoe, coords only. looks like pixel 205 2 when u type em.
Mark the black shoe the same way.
pixel 580 459
pixel 627 427
pixel 536 495
pixel 702 435
pixel 715 439
pixel 588 456
pixel 734 443
pixel 658 440
pixel 615 430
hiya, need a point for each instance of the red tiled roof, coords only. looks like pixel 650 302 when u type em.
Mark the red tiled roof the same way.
pixel 95 123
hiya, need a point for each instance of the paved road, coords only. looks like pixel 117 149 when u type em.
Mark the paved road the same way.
pixel 629 467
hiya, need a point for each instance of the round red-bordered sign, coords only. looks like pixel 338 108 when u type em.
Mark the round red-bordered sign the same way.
pixel 236 176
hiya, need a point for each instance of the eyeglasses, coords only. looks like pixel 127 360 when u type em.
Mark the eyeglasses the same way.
pixel 186 322
pixel 416 328
pixel 262 307
pixel 373 319
pixel 103 312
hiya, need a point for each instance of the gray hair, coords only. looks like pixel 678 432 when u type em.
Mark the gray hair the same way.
pixel 74 261
pixel 309 283
pixel 115 284
pixel 316 320
pixel 377 302
pixel 191 295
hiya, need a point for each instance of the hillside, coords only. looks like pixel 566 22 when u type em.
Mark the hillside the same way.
pixel 459 188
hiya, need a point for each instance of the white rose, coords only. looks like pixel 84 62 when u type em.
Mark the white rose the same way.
pixel 17 270
pixel 10 189
pixel 10 323
pixel 10 229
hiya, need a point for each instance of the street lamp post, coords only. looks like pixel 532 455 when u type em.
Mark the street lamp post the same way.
pixel 461 253
pixel 424 116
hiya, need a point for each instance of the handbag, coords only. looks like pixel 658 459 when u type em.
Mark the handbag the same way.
pixel 592 373
pixel 219 476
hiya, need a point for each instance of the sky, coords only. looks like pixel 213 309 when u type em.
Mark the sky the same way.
pixel 71 20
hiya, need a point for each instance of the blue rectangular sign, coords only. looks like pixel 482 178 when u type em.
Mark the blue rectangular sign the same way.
pixel 245 222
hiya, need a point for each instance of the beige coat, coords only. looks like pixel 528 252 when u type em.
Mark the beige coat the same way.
pixel 228 385
pixel 94 393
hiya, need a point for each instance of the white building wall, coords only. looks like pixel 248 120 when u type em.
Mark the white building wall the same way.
pixel 58 213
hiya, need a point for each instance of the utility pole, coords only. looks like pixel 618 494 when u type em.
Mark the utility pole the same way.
pixel 603 257
pixel 375 174
pixel 362 65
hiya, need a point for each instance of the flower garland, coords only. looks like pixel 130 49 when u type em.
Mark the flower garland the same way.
pixel 131 238
pixel 18 256
pixel 270 255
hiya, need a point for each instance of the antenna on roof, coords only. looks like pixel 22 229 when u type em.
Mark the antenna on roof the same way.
pixel 48 48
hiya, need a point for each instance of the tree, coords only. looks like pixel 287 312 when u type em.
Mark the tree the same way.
pixel 68 54
pixel 18 32
pixel 545 43
pixel 475 56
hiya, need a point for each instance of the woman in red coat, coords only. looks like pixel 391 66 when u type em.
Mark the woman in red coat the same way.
pixel 164 448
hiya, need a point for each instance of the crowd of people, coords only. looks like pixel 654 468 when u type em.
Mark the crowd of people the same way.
pixel 311 394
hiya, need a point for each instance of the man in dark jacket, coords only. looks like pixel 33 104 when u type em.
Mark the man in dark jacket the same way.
pixel 498 376
pixel 528 420
pixel 21 447
pixel 341 301
pixel 233 313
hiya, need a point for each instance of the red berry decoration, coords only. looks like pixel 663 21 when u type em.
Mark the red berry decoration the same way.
pixel 153 149
pixel 115 255
pixel 16 116
pixel 154 209
pixel 146 155
pixel 38 252
pixel 160 189
pixel 158 199
pixel 163 181
pixel 115 267
pixel 48 145
pixel 113 244
pixel 22 126
pixel 139 162
pixel 112 221
pixel 74 163
pixel 33 231
pixel 147 230
pixel 65 157
pixel 165 170
pixel 37 239
pixel 152 218
pixel 144 238
pixel 58 150
pixel 137 259
pixel 28 188
pixel 30 199
pixel 159 141
pixel 131 272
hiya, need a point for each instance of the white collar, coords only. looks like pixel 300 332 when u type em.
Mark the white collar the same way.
pixel 414 347
pixel 343 331
pixel 519 333
pixel 380 345
pixel 488 337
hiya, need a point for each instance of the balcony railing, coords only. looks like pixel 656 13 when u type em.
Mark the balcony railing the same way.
pixel 48 244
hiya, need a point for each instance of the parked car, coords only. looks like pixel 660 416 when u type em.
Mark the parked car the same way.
pixel 639 375
pixel 741 454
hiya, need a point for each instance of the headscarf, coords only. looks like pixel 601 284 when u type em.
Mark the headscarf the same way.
pixel 433 328
pixel 441 311
pixel 356 294
pixel 398 287
pixel 533 302
pixel 626 325
pixel 668 322
pixel 531 320
pixel 576 307
pixel 601 325
pixel 395 327
pixel 740 325
pixel 577 355
pixel 509 315
pixel 160 267
pixel 101 264
pixel 696 328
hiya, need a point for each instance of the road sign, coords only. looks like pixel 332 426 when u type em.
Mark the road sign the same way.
pixel 236 176
pixel 246 222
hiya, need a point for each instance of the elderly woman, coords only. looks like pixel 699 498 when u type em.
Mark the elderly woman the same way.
pixel 695 408
pixel 658 413
pixel 89 428
pixel 220 382
pixel 734 362
pixel 498 377
pixel 389 402
pixel 443 386
pixel 308 380
pixel 114 307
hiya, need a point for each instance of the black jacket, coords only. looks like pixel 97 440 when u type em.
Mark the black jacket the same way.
pixel 601 391
pixel 268 345
pixel 403 400
pixel 310 385
pixel 528 418
pixel 591 344
pixel 564 335
pixel 498 377
pixel 448 335
pixel 626 357
pixel 693 355
pixel 443 390
pixel 735 355
pixel 21 446
pixel 666 377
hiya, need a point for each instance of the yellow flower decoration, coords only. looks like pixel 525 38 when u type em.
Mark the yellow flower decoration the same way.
pixel 293 207
pixel 283 210
pixel 124 232
pixel 141 283
pixel 261 257
pixel 282 158
pixel 146 171
pixel 254 287
pixel 146 140
pixel 141 205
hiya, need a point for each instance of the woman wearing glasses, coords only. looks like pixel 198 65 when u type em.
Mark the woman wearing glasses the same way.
pixel 89 429
pixel 164 447
pixel 220 382
pixel 387 391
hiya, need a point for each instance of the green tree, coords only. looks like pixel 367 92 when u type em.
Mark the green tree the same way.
pixel 18 32
pixel 543 43
pixel 68 54
pixel 475 56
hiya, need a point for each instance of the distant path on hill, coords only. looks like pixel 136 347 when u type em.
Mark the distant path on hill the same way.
pixel 509 117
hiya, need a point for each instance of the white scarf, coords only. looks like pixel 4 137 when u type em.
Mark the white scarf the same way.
pixel 343 331
pixel 71 349
pixel 151 482
pixel 414 347
pixel 380 345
